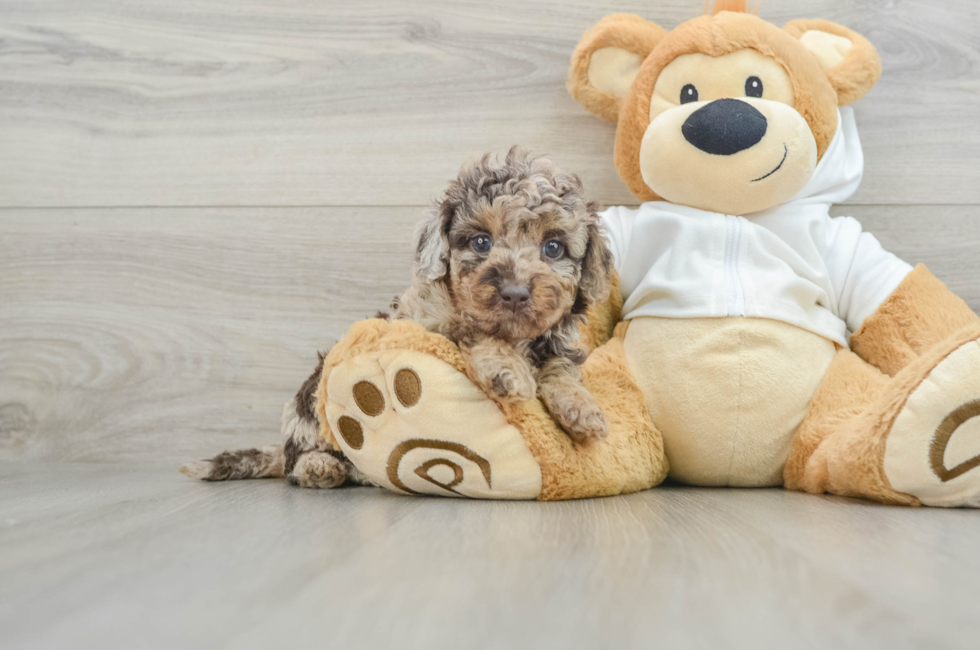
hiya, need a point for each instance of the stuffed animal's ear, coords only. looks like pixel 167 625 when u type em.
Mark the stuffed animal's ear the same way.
pixel 606 61
pixel 850 61
pixel 432 243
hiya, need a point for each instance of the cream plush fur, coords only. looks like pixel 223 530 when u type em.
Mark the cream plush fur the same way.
pixel 727 394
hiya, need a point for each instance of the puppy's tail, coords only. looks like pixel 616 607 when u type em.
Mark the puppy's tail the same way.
pixel 299 433
pixel 268 462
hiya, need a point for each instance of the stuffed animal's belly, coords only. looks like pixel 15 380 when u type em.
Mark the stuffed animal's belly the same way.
pixel 726 393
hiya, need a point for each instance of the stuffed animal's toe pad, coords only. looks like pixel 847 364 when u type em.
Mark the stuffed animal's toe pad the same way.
pixel 414 424
pixel 933 449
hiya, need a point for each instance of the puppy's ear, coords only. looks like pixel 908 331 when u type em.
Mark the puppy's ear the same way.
pixel 432 243
pixel 849 60
pixel 596 265
pixel 606 61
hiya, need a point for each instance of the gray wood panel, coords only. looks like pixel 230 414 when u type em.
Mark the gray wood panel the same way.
pixel 126 333
pixel 139 556
pixel 133 334
pixel 252 102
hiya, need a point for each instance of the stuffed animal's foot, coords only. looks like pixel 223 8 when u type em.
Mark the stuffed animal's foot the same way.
pixel 576 411
pixel 415 424
pixel 933 449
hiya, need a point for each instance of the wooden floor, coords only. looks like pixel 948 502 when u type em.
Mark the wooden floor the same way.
pixel 130 556
pixel 195 195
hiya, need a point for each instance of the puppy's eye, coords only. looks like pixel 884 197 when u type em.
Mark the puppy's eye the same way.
pixel 753 87
pixel 553 249
pixel 689 94
pixel 482 244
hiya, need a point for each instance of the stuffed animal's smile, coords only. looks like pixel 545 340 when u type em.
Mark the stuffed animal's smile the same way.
pixel 718 155
pixel 785 154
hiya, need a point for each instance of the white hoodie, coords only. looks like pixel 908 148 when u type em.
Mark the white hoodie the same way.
pixel 792 263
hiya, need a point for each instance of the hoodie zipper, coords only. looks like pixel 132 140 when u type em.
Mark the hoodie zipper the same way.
pixel 734 297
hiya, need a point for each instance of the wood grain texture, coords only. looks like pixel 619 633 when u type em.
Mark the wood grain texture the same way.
pixel 139 556
pixel 134 334
pixel 125 333
pixel 253 102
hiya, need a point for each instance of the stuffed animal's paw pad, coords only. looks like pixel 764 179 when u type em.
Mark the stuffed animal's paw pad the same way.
pixel 415 424
pixel 408 387
pixel 933 448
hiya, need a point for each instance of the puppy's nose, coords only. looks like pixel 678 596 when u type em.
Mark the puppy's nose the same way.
pixel 514 296
pixel 725 127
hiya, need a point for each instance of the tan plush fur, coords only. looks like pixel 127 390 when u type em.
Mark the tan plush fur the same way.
pixel 602 318
pixel 840 446
pixel 920 313
pixel 849 388
pixel 630 459
pixel 859 71
pixel 851 417
pixel 624 31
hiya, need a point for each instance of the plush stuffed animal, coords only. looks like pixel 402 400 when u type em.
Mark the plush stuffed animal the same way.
pixel 761 342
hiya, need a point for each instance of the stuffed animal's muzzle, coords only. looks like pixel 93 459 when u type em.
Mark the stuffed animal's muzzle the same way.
pixel 732 156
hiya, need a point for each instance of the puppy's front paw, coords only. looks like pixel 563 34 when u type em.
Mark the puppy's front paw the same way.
pixel 578 414
pixel 505 377
pixel 512 385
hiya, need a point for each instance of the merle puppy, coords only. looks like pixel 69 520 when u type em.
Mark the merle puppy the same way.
pixel 505 267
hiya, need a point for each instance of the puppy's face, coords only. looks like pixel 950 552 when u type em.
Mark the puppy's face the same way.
pixel 518 248
pixel 514 273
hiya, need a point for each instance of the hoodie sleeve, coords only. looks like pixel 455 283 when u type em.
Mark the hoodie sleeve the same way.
pixel 618 225
pixel 862 273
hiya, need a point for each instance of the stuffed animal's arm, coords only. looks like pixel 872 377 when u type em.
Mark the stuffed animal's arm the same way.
pixel 862 273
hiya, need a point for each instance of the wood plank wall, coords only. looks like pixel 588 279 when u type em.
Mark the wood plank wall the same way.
pixel 195 195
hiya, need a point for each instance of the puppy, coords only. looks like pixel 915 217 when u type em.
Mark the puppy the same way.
pixel 506 266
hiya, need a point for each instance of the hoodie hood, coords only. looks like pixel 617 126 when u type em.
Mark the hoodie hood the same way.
pixel 839 172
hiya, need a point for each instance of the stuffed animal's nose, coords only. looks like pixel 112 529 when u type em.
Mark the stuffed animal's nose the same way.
pixel 725 127
pixel 515 296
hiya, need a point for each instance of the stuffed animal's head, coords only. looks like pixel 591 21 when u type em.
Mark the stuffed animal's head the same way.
pixel 727 112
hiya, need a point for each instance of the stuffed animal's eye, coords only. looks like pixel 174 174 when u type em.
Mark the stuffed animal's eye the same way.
pixel 553 249
pixel 482 244
pixel 753 87
pixel 689 94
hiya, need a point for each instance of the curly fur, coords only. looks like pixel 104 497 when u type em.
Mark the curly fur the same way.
pixel 520 204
